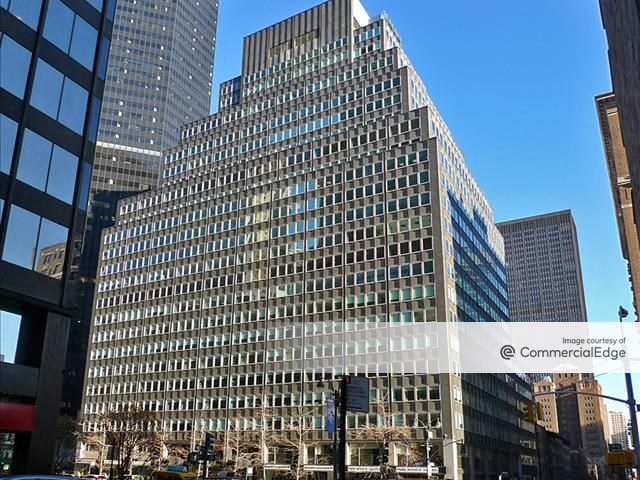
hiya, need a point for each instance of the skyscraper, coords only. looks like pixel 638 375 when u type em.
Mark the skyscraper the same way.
pixel 53 59
pixel 619 429
pixel 326 188
pixel 544 276
pixel 621 20
pixel 621 187
pixel 159 78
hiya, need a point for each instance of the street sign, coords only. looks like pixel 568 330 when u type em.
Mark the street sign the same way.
pixel 318 468
pixel 277 466
pixel 363 468
pixel 330 416
pixel 357 394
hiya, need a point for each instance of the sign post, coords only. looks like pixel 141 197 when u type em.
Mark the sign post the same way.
pixel 354 397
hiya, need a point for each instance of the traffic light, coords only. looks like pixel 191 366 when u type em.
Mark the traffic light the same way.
pixel 529 412
pixel 539 415
pixel 383 455
pixel 206 453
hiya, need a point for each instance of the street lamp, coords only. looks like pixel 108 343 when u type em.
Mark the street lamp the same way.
pixel 336 399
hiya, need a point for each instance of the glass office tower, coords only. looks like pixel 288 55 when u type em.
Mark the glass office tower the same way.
pixel 326 188
pixel 159 78
pixel 53 56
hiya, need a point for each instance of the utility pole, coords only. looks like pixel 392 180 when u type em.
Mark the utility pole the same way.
pixel 342 447
pixel 622 313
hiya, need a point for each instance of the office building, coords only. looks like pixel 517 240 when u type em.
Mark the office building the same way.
pixel 326 188
pixel 621 20
pixel 544 276
pixel 159 78
pixel 53 59
pixel 619 429
pixel 618 166
pixel 578 417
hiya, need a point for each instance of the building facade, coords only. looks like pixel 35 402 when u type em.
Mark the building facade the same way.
pixel 579 418
pixel 327 188
pixel 621 20
pixel 53 59
pixel 159 77
pixel 621 187
pixel 543 269
pixel 619 429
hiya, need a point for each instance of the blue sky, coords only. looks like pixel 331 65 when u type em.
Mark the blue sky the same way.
pixel 515 82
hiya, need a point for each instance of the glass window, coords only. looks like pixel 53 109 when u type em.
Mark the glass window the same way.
pixel 73 107
pixel 10 331
pixel 58 25
pixel 14 66
pixel 52 244
pixel 104 57
pixel 47 88
pixel 8 129
pixel 34 160
pixel 62 174
pixel 22 235
pixel 83 43
pixel 70 33
pixel 27 11
pixel 96 3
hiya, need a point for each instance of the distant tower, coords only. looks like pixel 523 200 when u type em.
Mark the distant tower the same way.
pixel 544 277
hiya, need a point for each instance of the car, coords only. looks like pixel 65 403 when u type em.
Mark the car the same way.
pixel 36 477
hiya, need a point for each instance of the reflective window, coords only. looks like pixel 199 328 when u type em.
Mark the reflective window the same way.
pixel 35 243
pixel 58 25
pixel 26 10
pixel 73 107
pixel 62 174
pixel 85 183
pixel 34 160
pixel 59 97
pixel 103 60
pixel 47 167
pixel 8 129
pixel 92 134
pixel 70 33
pixel 14 66
pixel 9 339
pixel 22 237
pixel 96 3
pixel 52 244
pixel 83 42
pixel 47 87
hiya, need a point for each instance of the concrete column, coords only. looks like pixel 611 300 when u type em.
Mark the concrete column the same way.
pixel 50 376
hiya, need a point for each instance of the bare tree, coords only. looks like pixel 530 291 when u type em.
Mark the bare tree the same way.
pixel 295 438
pixel 131 433
pixel 68 432
pixel 249 447
pixel 384 433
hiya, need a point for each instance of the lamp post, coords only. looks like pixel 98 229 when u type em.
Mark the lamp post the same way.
pixel 622 313
pixel 427 439
pixel 337 405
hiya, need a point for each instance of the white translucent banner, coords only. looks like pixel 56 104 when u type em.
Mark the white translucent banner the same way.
pixel 439 347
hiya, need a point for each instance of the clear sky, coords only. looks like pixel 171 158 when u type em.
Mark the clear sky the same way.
pixel 516 82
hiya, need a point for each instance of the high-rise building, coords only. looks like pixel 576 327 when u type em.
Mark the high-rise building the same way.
pixel 621 187
pixel 577 416
pixel 544 276
pixel 53 59
pixel 327 188
pixel 621 20
pixel 159 78
pixel 619 429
